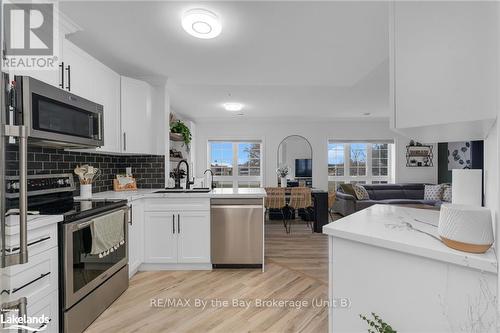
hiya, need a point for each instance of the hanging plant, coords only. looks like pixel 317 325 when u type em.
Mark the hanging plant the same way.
pixel 181 128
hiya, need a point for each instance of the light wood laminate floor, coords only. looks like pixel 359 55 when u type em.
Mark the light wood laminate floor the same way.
pixel 296 269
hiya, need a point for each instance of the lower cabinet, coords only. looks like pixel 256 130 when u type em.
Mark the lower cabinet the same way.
pixel 160 238
pixel 177 237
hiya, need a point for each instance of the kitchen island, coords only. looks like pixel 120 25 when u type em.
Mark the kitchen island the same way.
pixel 388 260
pixel 173 231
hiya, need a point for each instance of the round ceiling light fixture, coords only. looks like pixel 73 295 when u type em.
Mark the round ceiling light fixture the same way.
pixel 233 107
pixel 201 23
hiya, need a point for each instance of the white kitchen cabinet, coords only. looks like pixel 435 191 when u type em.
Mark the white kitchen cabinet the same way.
pixel 92 80
pixel 177 237
pixel 444 67
pixel 81 80
pixel 160 238
pixel 193 237
pixel 108 94
pixel 135 236
pixel 136 116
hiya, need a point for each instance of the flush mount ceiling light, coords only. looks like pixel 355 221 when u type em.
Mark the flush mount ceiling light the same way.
pixel 201 23
pixel 233 106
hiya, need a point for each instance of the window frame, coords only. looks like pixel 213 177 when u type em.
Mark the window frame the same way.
pixel 236 178
pixel 368 178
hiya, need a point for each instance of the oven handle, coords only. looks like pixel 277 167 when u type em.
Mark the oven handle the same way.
pixel 84 225
pixel 77 226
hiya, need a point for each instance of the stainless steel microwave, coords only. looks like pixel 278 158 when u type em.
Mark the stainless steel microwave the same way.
pixel 56 117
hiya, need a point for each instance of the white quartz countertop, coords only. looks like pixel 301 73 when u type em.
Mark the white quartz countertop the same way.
pixel 34 222
pixel 395 228
pixel 149 193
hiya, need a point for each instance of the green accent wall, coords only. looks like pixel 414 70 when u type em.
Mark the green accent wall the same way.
pixel 444 175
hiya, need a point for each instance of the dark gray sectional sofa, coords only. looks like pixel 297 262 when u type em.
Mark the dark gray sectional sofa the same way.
pixel 382 194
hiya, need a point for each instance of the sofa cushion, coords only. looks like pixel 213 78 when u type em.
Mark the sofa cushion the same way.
pixel 447 192
pixel 361 193
pixel 384 191
pixel 413 191
pixel 433 192
pixel 348 189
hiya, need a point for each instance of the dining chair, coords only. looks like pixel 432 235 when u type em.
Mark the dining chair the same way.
pixel 275 199
pixel 332 196
pixel 301 199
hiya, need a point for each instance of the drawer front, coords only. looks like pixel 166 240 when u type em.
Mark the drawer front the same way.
pixel 48 308
pixel 177 204
pixel 39 240
pixel 35 279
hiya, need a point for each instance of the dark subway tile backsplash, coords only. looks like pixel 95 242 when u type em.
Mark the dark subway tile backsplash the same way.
pixel 149 170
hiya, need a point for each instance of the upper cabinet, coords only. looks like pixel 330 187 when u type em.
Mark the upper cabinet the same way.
pixel 90 79
pixel 444 68
pixel 136 116
pixel 142 117
pixel 133 109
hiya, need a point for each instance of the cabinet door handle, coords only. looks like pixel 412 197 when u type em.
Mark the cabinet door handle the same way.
pixel 130 212
pixel 124 141
pixel 179 223
pixel 61 66
pixel 68 68
pixel 173 223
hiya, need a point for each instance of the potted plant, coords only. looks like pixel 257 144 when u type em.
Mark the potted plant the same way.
pixel 282 172
pixel 180 128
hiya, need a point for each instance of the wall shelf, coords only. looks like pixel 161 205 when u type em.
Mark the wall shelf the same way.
pixel 419 156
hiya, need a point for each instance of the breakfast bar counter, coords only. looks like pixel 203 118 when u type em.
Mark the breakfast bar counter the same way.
pixel 389 260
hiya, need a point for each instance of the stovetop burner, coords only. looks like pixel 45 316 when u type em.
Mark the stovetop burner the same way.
pixel 53 195
pixel 75 210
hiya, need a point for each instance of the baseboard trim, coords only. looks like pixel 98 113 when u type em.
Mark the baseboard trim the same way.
pixel 175 267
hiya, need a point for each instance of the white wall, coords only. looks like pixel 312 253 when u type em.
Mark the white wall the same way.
pixel 271 132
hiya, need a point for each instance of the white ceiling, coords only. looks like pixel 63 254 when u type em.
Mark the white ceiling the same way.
pixel 293 59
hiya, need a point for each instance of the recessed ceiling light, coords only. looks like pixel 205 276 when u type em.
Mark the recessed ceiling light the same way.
pixel 233 106
pixel 201 23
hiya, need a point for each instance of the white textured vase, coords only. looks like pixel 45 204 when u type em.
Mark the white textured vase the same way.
pixel 86 191
pixel 466 228
pixel 283 182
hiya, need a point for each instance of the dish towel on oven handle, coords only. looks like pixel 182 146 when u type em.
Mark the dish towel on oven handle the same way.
pixel 107 233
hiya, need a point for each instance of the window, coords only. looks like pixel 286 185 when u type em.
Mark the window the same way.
pixel 358 163
pixel 235 163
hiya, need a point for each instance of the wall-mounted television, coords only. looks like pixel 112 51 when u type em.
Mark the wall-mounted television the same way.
pixel 303 167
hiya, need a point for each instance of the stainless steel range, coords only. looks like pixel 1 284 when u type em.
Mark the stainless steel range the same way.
pixel 88 282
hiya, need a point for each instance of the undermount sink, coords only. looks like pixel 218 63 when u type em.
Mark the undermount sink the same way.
pixel 182 190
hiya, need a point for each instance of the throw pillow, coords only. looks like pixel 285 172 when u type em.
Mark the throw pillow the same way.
pixel 447 193
pixel 348 189
pixel 361 192
pixel 433 192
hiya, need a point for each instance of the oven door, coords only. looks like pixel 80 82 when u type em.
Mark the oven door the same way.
pixel 83 272
pixel 55 115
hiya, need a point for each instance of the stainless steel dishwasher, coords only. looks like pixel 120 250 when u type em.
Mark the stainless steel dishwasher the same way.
pixel 237 232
